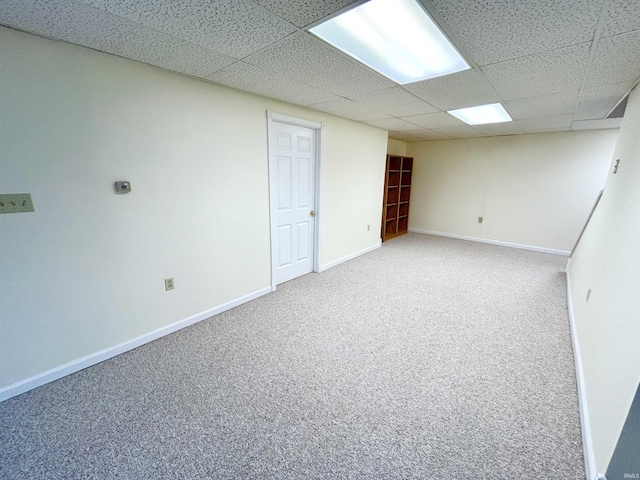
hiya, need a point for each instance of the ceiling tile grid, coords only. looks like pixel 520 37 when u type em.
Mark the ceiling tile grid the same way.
pixel 557 121
pixel 462 131
pixel 84 25
pixel 542 106
pixel 247 77
pixel 556 71
pixel 505 128
pixel 614 90
pixel 597 102
pixel 350 109
pixel 622 16
pixel 616 59
pixel 118 36
pixel 309 60
pixel 236 28
pixel 416 135
pixel 545 130
pixel 304 12
pixel 596 124
pixel 434 120
pixel 395 101
pixel 394 124
pixel 493 31
pixel 594 109
pixel 463 89
pixel 546 61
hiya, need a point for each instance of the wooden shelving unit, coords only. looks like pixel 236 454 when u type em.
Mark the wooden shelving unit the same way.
pixel 397 192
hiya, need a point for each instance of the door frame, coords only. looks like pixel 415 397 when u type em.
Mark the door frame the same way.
pixel 318 128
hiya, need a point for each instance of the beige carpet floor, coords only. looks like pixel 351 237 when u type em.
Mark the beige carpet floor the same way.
pixel 429 358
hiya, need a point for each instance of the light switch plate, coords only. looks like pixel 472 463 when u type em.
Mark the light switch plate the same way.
pixel 15 203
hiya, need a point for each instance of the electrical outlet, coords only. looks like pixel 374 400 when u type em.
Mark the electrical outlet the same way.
pixel 588 294
pixel 168 284
pixel 480 219
pixel 16 203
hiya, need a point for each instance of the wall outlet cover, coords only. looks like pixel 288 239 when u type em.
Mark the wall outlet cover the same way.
pixel 16 203
pixel 168 284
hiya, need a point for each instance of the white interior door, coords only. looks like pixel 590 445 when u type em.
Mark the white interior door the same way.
pixel 292 167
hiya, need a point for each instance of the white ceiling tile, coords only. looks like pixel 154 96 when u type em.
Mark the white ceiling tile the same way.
pixel 614 90
pixel 253 79
pixel 560 70
pixel 394 124
pixel 462 131
pixel 84 25
pixel 496 30
pixel 428 134
pixel 596 124
pixel 557 121
pixel 235 28
pixel 310 60
pixel 434 120
pixel 17 14
pixel 394 101
pixel 542 106
pixel 417 135
pixel 205 37
pixel 462 89
pixel 622 16
pixel 597 102
pixel 304 12
pixel 616 59
pixel 546 130
pixel 348 109
pixel 593 109
pixel 505 128
pixel 403 136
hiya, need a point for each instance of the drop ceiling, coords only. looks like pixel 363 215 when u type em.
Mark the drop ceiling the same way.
pixel 554 65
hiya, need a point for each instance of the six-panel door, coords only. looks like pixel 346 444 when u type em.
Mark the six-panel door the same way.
pixel 292 160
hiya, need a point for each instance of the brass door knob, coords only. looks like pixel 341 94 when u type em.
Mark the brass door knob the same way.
pixel 312 213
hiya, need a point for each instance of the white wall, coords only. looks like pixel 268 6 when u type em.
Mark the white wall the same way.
pixel 85 271
pixel 396 147
pixel 607 261
pixel 533 190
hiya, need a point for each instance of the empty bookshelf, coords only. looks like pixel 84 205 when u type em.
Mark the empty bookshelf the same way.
pixel 397 192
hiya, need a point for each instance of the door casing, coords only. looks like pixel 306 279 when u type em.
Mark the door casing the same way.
pixel 318 131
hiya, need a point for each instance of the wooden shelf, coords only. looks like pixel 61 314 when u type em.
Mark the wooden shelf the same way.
pixel 397 193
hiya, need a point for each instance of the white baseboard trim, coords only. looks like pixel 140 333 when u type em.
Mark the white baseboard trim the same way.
pixel 564 253
pixel 92 359
pixel 326 266
pixel 587 445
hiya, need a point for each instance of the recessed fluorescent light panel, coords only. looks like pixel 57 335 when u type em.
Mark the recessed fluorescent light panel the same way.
pixel 396 38
pixel 492 113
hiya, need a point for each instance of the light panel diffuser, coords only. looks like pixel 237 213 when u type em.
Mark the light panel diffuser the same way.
pixel 492 113
pixel 396 38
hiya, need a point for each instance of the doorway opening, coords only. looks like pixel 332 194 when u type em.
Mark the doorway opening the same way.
pixel 294 181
